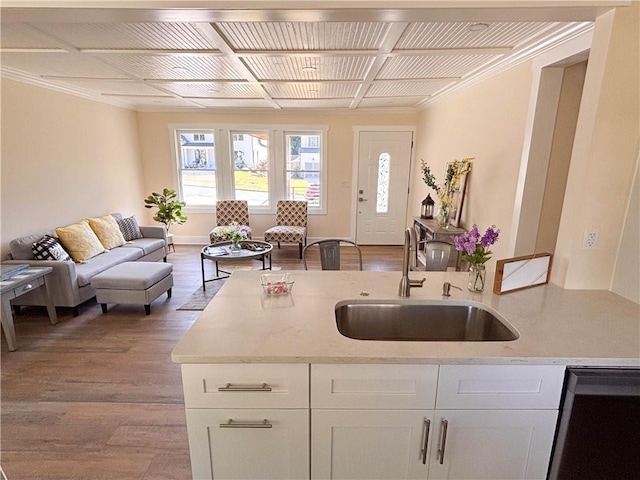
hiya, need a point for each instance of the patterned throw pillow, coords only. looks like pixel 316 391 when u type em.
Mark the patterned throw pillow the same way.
pixel 107 231
pixel 129 228
pixel 80 241
pixel 48 248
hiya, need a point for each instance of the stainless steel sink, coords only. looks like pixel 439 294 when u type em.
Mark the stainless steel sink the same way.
pixel 435 321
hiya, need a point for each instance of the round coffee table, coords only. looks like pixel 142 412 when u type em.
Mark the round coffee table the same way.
pixel 221 252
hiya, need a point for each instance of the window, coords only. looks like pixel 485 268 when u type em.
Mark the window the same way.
pixel 197 167
pixel 382 194
pixel 251 167
pixel 259 164
pixel 303 167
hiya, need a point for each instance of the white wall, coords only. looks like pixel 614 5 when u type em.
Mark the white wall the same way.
pixel 489 120
pixel 64 158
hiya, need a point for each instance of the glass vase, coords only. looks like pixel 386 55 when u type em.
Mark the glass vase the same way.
pixel 235 247
pixel 443 217
pixel 477 275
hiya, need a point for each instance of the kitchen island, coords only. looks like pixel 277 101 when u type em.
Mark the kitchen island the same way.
pixel 556 326
pixel 273 390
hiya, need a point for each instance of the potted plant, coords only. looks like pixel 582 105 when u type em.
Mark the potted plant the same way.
pixel 169 209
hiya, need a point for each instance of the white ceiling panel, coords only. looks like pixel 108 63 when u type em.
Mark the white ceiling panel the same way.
pixel 235 103
pixel 468 34
pixel 321 103
pixel 111 87
pixel 431 66
pixel 59 64
pixel 212 89
pixel 395 102
pixel 174 67
pixel 309 68
pixel 156 35
pixel 280 36
pixel 175 54
pixel 15 36
pixel 406 89
pixel 312 90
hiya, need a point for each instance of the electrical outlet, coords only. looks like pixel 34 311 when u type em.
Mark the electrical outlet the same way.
pixel 590 239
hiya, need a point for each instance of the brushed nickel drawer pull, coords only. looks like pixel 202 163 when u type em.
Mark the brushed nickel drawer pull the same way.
pixel 231 423
pixel 230 387
pixel 443 440
pixel 425 444
pixel 26 288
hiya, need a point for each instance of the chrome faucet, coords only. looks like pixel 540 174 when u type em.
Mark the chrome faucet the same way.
pixel 405 282
pixel 446 286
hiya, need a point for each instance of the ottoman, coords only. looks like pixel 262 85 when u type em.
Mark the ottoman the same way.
pixel 133 282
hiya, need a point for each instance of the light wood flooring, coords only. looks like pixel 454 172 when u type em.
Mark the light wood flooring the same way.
pixel 97 396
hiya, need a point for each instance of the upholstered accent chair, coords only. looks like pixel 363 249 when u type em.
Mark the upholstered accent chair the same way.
pixel 291 224
pixel 229 212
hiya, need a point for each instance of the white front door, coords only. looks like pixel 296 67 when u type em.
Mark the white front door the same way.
pixel 384 163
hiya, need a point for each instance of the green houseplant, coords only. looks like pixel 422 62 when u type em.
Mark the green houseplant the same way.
pixel 169 209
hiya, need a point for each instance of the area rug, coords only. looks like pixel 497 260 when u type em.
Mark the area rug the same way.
pixel 199 299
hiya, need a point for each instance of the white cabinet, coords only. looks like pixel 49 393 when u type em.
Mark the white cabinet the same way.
pixel 247 421
pixel 249 444
pixel 484 422
pixel 371 421
pixel 370 444
pixel 279 421
pixel 491 444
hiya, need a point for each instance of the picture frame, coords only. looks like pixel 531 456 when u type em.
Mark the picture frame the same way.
pixel 458 198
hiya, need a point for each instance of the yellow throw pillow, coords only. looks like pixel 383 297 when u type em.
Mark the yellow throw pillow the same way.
pixel 107 230
pixel 80 241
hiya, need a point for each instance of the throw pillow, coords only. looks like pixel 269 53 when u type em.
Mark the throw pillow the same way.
pixel 129 228
pixel 48 248
pixel 80 241
pixel 107 230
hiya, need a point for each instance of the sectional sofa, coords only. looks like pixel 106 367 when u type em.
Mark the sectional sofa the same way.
pixel 71 280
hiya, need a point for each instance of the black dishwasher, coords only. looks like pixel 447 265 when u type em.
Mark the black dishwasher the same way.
pixel 598 435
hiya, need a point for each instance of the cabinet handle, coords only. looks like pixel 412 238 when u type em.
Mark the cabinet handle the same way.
pixel 425 443
pixel 443 439
pixel 229 387
pixel 231 423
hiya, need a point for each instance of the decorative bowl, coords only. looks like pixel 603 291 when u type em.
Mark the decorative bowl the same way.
pixel 276 283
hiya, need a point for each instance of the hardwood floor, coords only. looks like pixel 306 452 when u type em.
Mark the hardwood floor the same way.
pixel 97 396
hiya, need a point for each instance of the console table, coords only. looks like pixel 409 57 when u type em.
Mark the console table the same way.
pixel 428 229
pixel 17 285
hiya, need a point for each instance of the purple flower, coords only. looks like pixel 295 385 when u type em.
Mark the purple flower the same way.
pixel 474 247
pixel 490 237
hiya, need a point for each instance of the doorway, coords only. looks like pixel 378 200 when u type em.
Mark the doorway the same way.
pixel 548 154
pixel 384 163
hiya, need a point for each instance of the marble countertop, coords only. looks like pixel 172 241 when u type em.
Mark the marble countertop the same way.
pixel 556 326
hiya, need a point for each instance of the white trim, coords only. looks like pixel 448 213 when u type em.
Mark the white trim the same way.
pixel 224 161
pixel 575 46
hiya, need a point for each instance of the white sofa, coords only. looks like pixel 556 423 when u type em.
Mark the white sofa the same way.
pixel 70 281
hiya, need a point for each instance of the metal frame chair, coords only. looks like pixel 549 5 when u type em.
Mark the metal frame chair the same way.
pixel 330 253
pixel 437 255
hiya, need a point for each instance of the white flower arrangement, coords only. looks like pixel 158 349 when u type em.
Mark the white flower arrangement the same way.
pixel 234 232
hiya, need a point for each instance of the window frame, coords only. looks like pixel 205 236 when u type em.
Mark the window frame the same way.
pixel 225 168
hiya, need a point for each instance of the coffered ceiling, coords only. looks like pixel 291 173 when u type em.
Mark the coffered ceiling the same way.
pixel 270 55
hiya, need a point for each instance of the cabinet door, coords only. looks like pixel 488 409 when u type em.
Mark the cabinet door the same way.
pixel 491 444
pixel 367 444
pixel 249 444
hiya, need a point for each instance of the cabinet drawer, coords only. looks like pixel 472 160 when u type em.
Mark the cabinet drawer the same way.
pixel 249 444
pixel 246 386
pixel 500 386
pixel 374 386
